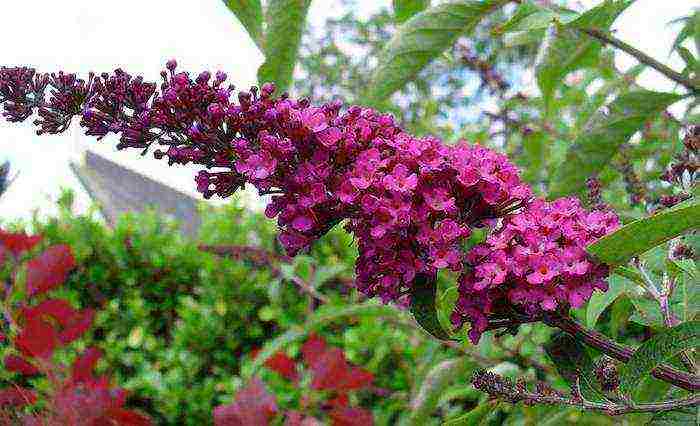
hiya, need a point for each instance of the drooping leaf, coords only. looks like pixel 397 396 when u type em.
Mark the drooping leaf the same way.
pixel 426 400
pixel 253 406
pixel 657 350
pixel 568 49
pixel 476 416
pixel 49 269
pixel 423 306
pixel 574 364
pixel 596 145
pixel 642 235
pixel 420 40
pixel 250 14
pixel 405 9
pixel 600 301
pixel 285 25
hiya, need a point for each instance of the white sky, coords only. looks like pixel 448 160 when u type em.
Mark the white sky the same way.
pixel 140 35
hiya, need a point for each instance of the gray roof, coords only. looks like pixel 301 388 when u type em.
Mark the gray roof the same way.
pixel 117 190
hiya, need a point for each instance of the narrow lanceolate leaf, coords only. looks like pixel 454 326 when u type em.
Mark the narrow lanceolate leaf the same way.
pixel 568 49
pixel 420 40
pixel 657 350
pixel 642 235
pixel 476 416
pixel 436 381
pixel 600 140
pixel 600 301
pixel 423 306
pixel 285 24
pixel 250 14
pixel 405 9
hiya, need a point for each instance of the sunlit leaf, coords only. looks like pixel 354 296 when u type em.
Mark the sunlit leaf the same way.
pixel 420 40
pixel 405 9
pixel 642 235
pixel 285 25
pixel 568 49
pixel 250 14
pixel 600 140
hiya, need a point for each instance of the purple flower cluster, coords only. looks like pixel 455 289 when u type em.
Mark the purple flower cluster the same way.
pixel 535 261
pixel 410 202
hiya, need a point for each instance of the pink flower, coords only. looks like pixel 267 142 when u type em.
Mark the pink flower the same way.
pixel 257 166
pixel 400 180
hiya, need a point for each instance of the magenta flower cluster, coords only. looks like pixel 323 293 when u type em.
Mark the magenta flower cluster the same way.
pixel 535 260
pixel 410 202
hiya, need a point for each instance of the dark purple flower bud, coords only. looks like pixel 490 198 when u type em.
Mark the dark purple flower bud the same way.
pixel 171 65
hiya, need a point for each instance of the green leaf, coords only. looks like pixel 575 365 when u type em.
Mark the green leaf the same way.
pixel 423 306
pixel 683 417
pixel 647 312
pixel 567 49
pixel 642 235
pixel 315 321
pixel 425 402
pixel 475 417
pixel 657 350
pixel 574 364
pixel 523 38
pixel 532 161
pixel 405 9
pixel 420 40
pixel 250 14
pixel 528 16
pixel 598 143
pixel 600 301
pixel 285 24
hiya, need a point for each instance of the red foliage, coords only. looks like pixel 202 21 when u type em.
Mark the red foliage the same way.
pixel 331 373
pixel 253 406
pixel 18 242
pixel 49 269
pixel 16 397
pixel 349 416
pixel 78 398
pixel 20 365
pixel 284 365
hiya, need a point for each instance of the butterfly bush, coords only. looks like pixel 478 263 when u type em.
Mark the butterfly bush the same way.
pixel 410 202
pixel 536 261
